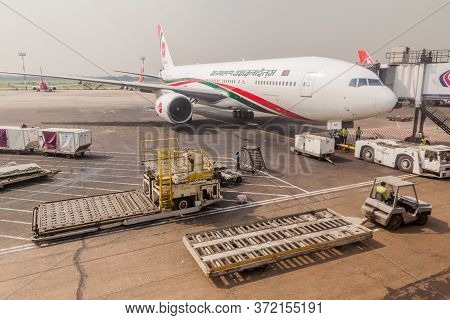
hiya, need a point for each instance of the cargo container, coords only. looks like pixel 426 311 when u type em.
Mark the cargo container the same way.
pixel 70 142
pixel 18 139
pixel 312 145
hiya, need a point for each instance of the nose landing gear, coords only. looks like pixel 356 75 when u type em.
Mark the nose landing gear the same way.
pixel 243 114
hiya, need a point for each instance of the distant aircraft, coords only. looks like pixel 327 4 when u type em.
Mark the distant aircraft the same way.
pixel 313 88
pixel 365 58
pixel 43 86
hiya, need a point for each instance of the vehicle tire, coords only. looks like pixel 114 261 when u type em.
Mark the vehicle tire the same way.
pixel 368 154
pixel 395 222
pixel 423 219
pixel 238 180
pixel 183 204
pixel 405 163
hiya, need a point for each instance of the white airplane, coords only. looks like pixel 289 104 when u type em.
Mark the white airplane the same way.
pixel 312 88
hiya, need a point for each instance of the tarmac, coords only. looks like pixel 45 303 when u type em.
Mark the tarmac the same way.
pixel 151 262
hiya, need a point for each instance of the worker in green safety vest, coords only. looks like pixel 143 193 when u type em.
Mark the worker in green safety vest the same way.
pixel 344 134
pixel 382 191
pixel 358 134
pixel 423 141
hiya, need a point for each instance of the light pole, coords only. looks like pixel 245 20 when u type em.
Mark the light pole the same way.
pixel 143 64
pixel 22 55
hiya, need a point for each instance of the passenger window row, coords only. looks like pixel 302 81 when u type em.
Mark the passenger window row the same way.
pixel 276 83
pixel 365 82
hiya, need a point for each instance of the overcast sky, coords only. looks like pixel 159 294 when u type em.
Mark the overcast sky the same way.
pixel 115 34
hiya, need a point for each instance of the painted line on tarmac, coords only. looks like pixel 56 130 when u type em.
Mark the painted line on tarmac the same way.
pixel 21 199
pixel 96 181
pixel 281 180
pixel 100 175
pixel 268 185
pixel 18 222
pixel 17 249
pixel 256 193
pixel 17 210
pixel 51 192
pixel 95 168
pixel 95 162
pixel 113 152
pixel 248 205
pixel 14 237
pixel 75 187
pixel 296 196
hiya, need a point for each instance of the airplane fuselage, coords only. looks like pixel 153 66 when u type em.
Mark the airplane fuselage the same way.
pixel 311 88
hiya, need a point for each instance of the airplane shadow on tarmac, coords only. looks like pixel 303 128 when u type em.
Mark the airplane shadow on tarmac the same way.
pixel 280 126
pixel 294 264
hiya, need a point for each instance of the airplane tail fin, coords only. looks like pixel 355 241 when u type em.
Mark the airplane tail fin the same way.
pixel 166 57
pixel 364 57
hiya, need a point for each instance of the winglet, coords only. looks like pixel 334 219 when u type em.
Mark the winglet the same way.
pixel 364 57
pixel 166 57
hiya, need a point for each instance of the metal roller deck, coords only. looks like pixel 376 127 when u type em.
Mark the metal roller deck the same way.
pixel 245 246
pixel 84 215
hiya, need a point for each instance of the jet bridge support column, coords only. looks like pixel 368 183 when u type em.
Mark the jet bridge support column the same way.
pixel 419 117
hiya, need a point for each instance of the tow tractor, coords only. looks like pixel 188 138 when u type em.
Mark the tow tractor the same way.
pixel 400 208
pixel 433 161
pixel 177 182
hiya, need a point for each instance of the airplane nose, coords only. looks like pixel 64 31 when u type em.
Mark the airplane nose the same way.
pixel 385 100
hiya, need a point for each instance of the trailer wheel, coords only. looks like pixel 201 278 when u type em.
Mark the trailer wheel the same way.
pixel 395 222
pixel 183 204
pixel 423 219
pixel 405 163
pixel 368 154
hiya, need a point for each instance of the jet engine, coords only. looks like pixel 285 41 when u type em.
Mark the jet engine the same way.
pixel 174 108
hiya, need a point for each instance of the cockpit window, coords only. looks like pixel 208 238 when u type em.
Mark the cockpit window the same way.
pixel 365 82
pixel 362 82
pixel 374 82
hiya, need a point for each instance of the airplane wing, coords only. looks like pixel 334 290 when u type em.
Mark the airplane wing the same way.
pixel 138 74
pixel 209 95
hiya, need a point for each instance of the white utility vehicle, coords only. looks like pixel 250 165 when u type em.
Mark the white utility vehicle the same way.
pixel 400 208
pixel 431 161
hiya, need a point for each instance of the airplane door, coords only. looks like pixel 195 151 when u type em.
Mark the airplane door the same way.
pixel 308 85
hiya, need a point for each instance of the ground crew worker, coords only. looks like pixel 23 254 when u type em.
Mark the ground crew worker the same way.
pixel 423 141
pixel 382 190
pixel 344 135
pixel 358 134
pixel 238 161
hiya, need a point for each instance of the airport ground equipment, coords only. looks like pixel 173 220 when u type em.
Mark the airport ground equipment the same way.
pixel 420 78
pixel 433 161
pixel 403 206
pixel 227 176
pixel 313 145
pixel 252 159
pixel 246 246
pixel 18 139
pixel 69 142
pixel 177 182
pixel 14 173
pixel 398 118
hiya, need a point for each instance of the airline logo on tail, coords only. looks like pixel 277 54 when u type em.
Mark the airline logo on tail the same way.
pixel 165 53
pixel 365 58
pixel 444 79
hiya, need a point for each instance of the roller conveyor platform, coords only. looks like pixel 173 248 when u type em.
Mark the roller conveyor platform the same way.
pixel 246 246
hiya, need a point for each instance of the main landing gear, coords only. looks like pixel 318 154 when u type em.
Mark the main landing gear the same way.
pixel 243 114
